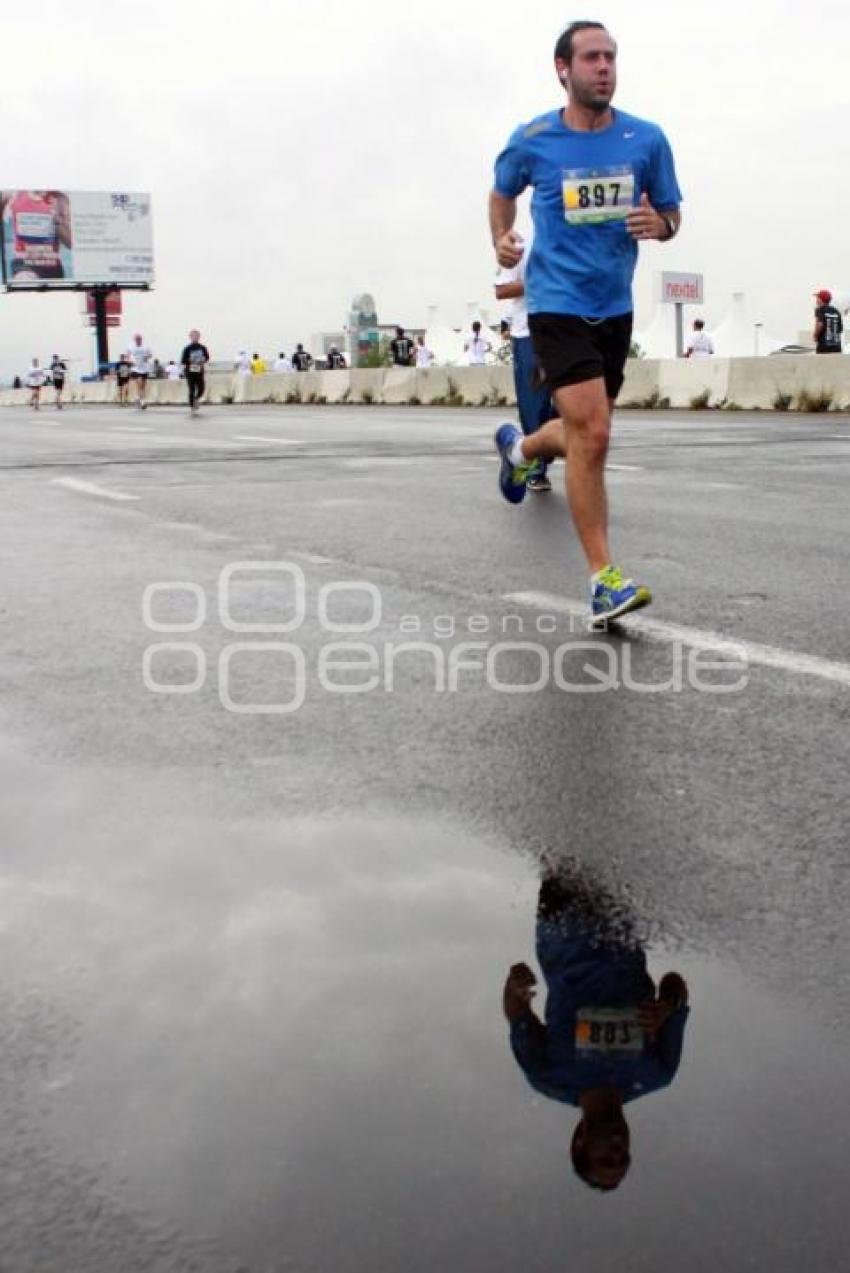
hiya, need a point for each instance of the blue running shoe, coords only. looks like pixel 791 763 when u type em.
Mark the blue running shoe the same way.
pixel 611 596
pixel 513 477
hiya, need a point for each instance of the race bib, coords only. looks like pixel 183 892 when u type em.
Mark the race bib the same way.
pixel 594 195
pixel 607 1030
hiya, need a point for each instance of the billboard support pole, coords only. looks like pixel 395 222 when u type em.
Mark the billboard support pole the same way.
pixel 101 330
pixel 680 330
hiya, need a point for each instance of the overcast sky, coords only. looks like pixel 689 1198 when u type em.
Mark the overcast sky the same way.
pixel 300 153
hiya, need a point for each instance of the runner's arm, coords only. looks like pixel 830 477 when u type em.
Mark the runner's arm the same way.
pixel 506 241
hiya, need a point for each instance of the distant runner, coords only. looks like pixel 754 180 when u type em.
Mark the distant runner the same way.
pixel 36 379
pixel 602 181
pixel 123 370
pixel 141 362
pixel 194 360
pixel 58 371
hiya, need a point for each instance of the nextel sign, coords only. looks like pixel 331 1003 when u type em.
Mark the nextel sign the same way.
pixel 681 289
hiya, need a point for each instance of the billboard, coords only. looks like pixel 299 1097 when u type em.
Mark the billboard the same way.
pixel 681 289
pixel 73 238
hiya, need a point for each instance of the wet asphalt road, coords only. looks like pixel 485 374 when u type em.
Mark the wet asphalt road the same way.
pixel 255 927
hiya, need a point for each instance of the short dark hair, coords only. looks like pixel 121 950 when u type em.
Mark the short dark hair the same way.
pixel 476 326
pixel 581 1160
pixel 698 324
pixel 399 331
pixel 564 48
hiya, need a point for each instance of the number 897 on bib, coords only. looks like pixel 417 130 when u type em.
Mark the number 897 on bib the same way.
pixel 594 195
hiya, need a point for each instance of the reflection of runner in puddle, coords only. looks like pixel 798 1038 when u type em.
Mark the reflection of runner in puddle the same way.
pixel 609 1037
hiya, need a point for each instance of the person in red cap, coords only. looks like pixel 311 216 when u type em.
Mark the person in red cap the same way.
pixel 828 324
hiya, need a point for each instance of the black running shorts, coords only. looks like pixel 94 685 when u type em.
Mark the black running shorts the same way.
pixel 570 350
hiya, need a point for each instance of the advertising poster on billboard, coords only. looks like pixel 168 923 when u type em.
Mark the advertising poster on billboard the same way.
pixel 61 239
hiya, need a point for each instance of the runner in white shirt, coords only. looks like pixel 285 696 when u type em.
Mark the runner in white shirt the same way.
pixel 282 363
pixel 477 347
pixel 701 345
pixel 534 402
pixel 424 357
pixel 36 378
pixel 141 360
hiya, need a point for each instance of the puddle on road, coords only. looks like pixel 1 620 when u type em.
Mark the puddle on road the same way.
pixel 289 1041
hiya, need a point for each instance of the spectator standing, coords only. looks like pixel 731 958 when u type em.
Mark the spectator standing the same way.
pixel 401 349
pixel 701 344
pixel 282 363
pixel 477 348
pixel 828 324
pixel 424 356
pixel 259 366
pixel 301 360
pixel 336 361
pixel 172 371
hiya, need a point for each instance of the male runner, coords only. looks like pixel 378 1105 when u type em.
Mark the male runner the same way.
pixel 610 1035
pixel 141 361
pixel 123 371
pixel 194 359
pixel 602 180
pixel 36 379
pixel 58 371
pixel 533 400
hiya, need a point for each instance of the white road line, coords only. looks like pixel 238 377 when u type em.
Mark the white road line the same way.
pixel 251 437
pixel 130 428
pixel 625 468
pixel 710 642
pixel 90 488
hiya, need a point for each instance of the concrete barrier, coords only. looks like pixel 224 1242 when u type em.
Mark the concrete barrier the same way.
pixel 751 383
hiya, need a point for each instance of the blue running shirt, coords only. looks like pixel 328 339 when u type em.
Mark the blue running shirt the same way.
pixel 583 259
